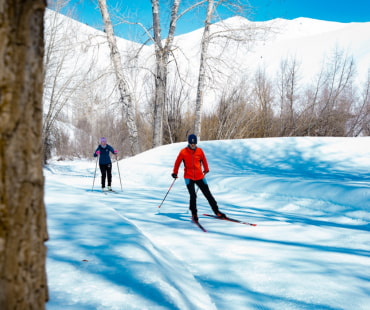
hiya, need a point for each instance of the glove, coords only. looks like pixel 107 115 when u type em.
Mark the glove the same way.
pixel 205 172
pixel 174 175
pixel 97 152
pixel 115 152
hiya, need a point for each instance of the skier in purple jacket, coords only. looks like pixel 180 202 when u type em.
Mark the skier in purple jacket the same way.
pixel 105 163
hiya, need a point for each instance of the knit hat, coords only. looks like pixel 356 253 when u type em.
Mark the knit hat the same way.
pixel 192 139
pixel 103 139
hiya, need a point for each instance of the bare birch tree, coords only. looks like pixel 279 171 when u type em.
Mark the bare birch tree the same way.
pixel 22 212
pixel 123 86
pixel 224 35
pixel 162 53
pixel 264 99
pixel 288 93
pixel 360 122
pixel 202 68
pixel 65 71
pixel 334 107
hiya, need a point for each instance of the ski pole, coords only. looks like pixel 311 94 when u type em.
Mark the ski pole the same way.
pixel 167 193
pixel 96 165
pixel 119 173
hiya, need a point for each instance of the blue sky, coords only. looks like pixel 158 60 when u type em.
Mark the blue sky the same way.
pixel 140 10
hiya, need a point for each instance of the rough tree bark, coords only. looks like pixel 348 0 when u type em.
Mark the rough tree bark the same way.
pixel 22 212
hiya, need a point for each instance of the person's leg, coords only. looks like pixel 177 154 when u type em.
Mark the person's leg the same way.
pixel 193 198
pixel 207 193
pixel 103 170
pixel 109 174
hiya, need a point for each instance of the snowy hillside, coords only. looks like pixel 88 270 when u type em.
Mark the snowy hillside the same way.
pixel 309 41
pixel 310 199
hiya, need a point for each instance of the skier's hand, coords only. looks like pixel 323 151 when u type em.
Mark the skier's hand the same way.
pixel 115 152
pixel 205 172
pixel 174 175
pixel 97 152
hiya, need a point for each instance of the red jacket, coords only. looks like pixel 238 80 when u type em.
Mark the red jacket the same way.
pixel 193 162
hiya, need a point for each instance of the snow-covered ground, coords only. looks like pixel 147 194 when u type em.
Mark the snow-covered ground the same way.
pixel 310 199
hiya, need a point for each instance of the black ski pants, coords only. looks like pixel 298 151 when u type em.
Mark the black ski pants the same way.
pixel 106 171
pixel 190 184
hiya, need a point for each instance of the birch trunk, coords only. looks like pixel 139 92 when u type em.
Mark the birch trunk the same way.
pixel 161 55
pixel 22 211
pixel 202 69
pixel 125 96
pixel 160 81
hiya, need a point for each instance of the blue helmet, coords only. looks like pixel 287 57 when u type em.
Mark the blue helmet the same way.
pixel 192 139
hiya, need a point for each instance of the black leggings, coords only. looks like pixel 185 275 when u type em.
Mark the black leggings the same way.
pixel 206 192
pixel 106 170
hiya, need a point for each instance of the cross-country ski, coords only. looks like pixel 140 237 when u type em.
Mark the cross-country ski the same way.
pixel 199 225
pixel 229 219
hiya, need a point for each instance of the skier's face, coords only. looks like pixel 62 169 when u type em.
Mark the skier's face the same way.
pixel 192 146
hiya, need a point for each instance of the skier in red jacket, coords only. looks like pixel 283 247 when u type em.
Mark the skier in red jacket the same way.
pixel 193 158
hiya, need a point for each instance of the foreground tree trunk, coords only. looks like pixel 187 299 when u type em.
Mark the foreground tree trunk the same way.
pixel 22 212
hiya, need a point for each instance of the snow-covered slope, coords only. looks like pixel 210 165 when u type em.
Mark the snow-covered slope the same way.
pixel 310 199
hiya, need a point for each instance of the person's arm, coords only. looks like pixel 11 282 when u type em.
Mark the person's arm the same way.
pixel 178 161
pixel 112 150
pixel 97 152
pixel 204 163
